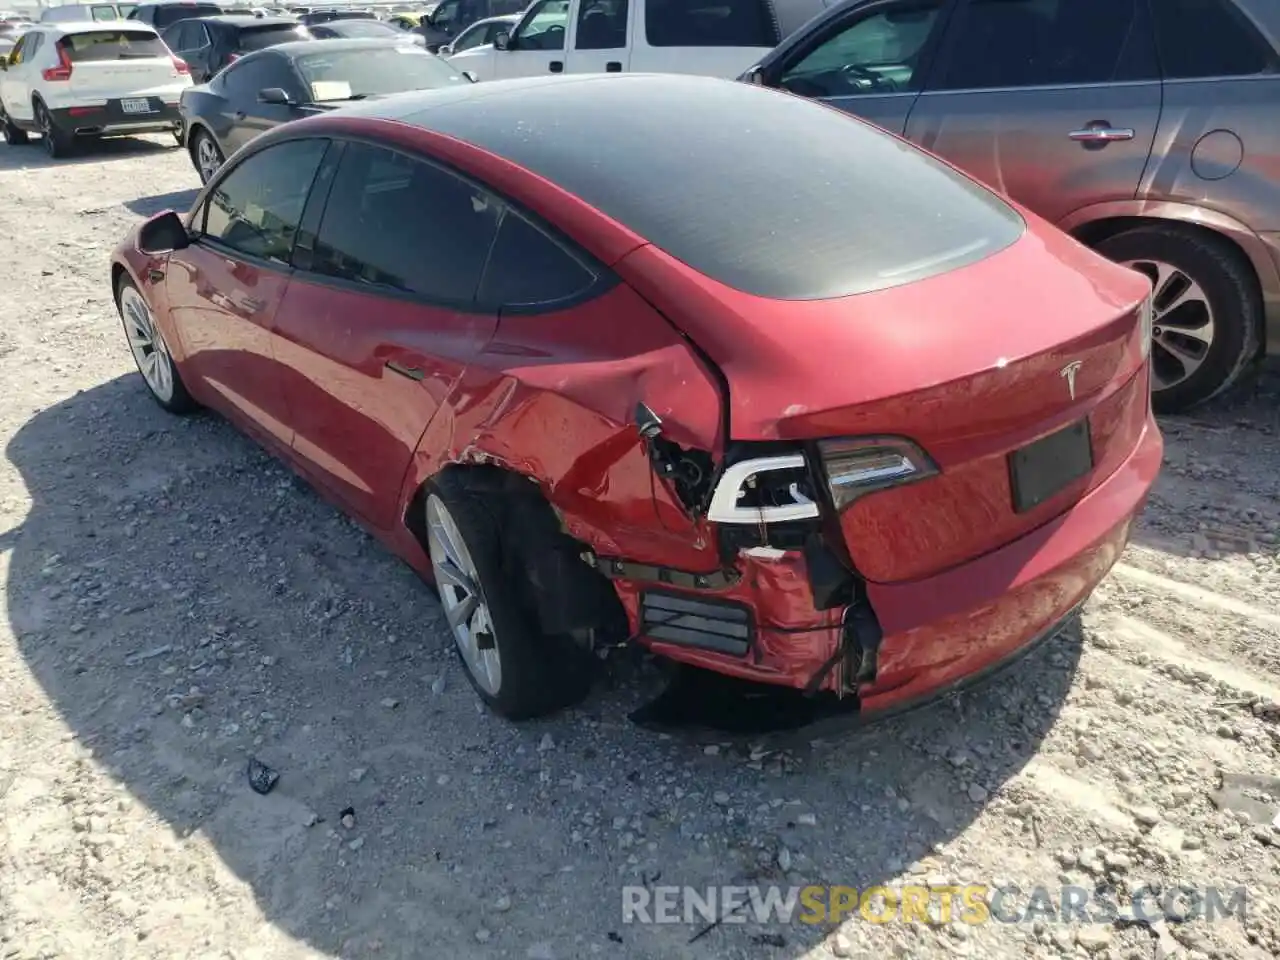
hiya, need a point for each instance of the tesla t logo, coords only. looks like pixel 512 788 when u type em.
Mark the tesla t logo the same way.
pixel 1068 373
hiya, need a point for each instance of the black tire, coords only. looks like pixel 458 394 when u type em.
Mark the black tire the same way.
pixel 12 133
pixel 1231 292
pixel 180 402
pixel 540 674
pixel 197 137
pixel 58 143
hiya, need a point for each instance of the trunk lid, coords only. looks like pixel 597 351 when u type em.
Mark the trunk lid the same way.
pixel 970 366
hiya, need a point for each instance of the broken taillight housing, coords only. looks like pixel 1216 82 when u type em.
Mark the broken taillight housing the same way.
pixel 855 467
pixel 1146 320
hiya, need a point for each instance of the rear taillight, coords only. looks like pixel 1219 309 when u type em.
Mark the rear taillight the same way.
pixel 63 70
pixel 859 466
pixel 180 66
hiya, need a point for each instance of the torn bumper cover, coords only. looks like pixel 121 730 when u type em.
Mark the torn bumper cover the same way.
pixel 890 643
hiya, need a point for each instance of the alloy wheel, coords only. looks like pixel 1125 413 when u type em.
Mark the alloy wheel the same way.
pixel 147 343
pixel 46 131
pixel 1182 326
pixel 208 158
pixel 463 598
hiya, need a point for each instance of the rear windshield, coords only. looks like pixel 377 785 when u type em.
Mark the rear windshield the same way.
pixel 169 13
pixel 356 74
pixel 362 28
pixel 770 194
pixel 709 23
pixel 259 38
pixel 113 45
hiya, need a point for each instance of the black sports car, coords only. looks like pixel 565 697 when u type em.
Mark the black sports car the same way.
pixel 293 80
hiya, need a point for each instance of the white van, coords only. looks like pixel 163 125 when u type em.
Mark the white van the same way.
pixel 717 38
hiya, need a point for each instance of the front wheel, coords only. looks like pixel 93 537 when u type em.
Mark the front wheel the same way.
pixel 518 671
pixel 1207 317
pixel 150 352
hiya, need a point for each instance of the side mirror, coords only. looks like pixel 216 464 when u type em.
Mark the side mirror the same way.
pixel 275 95
pixel 163 233
pixel 754 76
pixel 445 51
pixel 470 76
pixel 502 41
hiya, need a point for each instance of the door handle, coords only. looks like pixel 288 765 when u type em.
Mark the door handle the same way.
pixel 557 66
pixel 613 66
pixel 413 373
pixel 1101 133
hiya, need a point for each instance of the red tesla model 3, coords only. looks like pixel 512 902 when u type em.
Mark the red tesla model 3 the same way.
pixel 671 359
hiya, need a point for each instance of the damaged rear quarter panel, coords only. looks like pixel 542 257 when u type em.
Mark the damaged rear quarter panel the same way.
pixel 553 396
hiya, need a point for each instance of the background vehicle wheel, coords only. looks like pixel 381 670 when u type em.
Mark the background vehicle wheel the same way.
pixel 1208 316
pixel 57 142
pixel 179 136
pixel 11 132
pixel 205 155
pixel 519 672
pixel 150 352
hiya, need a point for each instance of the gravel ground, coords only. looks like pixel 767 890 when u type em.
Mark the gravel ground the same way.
pixel 174 601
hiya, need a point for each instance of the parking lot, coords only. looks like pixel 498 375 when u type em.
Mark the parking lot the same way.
pixel 174 602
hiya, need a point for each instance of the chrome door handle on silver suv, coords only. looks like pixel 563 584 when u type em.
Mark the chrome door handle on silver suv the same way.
pixel 1101 134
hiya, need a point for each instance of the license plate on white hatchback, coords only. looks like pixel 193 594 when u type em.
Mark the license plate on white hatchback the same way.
pixel 136 105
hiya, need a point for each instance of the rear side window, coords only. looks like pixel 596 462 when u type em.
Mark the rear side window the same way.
pixel 257 207
pixel 263 37
pixel 112 45
pixel 1209 38
pixel 527 268
pixel 402 224
pixel 1027 43
pixel 710 23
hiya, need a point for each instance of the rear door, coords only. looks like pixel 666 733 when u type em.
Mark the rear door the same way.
pixel 600 37
pixel 871 61
pixel 15 81
pixel 127 67
pixel 715 38
pixel 1053 102
pixel 380 321
pixel 225 288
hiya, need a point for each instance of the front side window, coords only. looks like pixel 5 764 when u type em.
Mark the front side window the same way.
pixel 543 28
pixel 602 25
pixel 446 16
pixel 1027 43
pixel 356 74
pixel 256 208
pixel 881 53
pixel 527 268
pixel 710 23
pixel 262 37
pixel 473 37
pixel 401 224
pixel 1209 38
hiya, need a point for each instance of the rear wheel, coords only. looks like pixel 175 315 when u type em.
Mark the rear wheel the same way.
pixel 12 133
pixel 58 143
pixel 205 154
pixel 1208 316
pixel 518 671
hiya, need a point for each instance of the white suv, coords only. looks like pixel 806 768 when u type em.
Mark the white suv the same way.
pixel 70 81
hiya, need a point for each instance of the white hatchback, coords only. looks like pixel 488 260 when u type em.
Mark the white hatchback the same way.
pixel 70 82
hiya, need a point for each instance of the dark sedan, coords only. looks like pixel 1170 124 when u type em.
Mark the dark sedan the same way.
pixel 208 44
pixel 329 16
pixel 363 29
pixel 294 80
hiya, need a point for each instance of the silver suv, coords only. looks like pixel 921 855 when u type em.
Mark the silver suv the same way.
pixel 1148 129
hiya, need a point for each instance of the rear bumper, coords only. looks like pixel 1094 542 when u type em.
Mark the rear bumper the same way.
pixel 109 120
pixel 942 630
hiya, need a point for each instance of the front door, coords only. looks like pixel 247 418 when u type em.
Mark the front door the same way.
pixel 225 288
pixel 379 322
pixel 1053 102
pixel 599 40
pixel 537 44
pixel 246 115
pixel 872 61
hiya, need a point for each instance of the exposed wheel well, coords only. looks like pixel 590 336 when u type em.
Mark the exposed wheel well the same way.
pixel 117 271
pixel 1095 232
pixel 544 562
